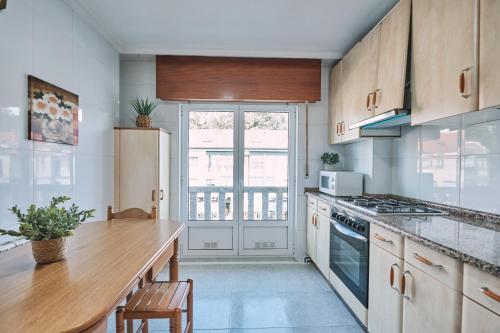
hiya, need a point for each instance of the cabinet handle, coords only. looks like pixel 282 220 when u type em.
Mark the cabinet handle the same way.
pixel 368 101
pixel 391 276
pixel 488 293
pixel 153 195
pixel 337 128
pixel 375 98
pixel 162 194
pixel 342 128
pixel 462 83
pixel 402 285
pixel 322 208
pixel 426 261
pixel 380 238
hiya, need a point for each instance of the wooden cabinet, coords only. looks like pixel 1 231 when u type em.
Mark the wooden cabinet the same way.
pixel 478 319
pixel 444 59
pixel 481 306
pixel 335 106
pixel 351 104
pixel 318 234
pixel 489 54
pixel 311 232
pixel 367 63
pixel 431 286
pixel 142 169
pixel 428 304
pixel 392 59
pixel 323 243
pixel 371 78
pixel 385 305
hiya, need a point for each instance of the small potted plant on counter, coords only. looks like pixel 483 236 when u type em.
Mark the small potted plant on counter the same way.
pixel 48 227
pixel 144 107
pixel 329 160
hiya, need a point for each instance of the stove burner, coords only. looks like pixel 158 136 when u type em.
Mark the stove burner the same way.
pixel 390 206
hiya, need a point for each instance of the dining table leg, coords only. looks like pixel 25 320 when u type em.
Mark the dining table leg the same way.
pixel 174 262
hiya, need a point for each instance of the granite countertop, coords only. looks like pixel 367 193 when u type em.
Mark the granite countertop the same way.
pixel 458 236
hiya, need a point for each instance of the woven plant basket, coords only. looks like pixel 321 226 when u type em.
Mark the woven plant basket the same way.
pixel 143 121
pixel 47 251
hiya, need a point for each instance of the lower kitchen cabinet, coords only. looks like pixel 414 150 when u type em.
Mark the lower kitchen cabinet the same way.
pixel 323 244
pixel 428 304
pixel 478 319
pixel 481 306
pixel 311 232
pixel 385 304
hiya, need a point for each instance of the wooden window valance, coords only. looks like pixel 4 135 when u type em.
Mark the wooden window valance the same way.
pixel 194 78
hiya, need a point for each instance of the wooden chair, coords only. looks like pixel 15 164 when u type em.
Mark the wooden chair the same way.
pixel 132 213
pixel 159 299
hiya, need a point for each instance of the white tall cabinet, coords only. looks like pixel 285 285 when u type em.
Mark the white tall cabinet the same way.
pixel 142 169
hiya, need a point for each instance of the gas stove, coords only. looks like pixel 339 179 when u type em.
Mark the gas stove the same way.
pixel 375 206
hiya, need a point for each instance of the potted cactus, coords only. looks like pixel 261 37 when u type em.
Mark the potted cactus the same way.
pixel 48 228
pixel 144 107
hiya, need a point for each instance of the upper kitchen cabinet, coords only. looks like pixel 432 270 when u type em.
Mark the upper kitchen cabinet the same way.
pixel 335 107
pixel 367 63
pixel 392 59
pixel 489 54
pixel 444 59
pixel 351 100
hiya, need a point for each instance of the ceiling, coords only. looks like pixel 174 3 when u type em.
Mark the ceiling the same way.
pixel 323 29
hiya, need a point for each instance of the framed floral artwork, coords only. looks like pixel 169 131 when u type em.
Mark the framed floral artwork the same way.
pixel 53 113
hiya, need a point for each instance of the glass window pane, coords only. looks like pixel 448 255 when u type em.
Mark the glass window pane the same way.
pixel 210 170
pixel 266 166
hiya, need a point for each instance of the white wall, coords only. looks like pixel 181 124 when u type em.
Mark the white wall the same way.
pixel 48 40
pixel 454 161
pixel 138 78
pixel 373 158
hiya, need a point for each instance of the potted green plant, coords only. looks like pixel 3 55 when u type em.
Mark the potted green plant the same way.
pixel 329 160
pixel 144 107
pixel 48 227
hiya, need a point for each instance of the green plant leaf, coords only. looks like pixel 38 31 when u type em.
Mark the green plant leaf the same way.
pixel 143 106
pixel 44 223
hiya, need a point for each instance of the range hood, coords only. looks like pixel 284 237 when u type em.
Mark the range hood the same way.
pixel 389 119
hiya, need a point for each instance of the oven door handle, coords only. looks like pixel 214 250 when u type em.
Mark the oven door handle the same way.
pixel 348 232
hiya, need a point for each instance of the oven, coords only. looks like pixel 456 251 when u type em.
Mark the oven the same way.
pixel 349 251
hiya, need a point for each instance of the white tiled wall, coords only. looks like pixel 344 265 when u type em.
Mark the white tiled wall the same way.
pixel 455 161
pixel 137 78
pixel 373 158
pixel 48 40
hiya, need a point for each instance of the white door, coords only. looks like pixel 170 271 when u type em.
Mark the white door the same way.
pixel 238 179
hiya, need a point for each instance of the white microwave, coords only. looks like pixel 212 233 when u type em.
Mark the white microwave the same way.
pixel 341 183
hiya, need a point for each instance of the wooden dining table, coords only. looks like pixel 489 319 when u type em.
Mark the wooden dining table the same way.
pixel 105 261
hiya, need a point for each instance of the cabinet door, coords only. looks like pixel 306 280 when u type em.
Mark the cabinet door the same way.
pixel 137 169
pixel 444 49
pixel 392 60
pixel 478 319
pixel 351 104
pixel 311 233
pixel 164 176
pixel 385 303
pixel 429 305
pixel 335 106
pixel 323 245
pixel 489 52
pixel 367 63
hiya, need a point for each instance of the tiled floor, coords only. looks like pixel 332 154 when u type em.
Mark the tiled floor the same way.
pixel 262 298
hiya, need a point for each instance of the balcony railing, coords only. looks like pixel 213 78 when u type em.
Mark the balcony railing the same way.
pixel 210 203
